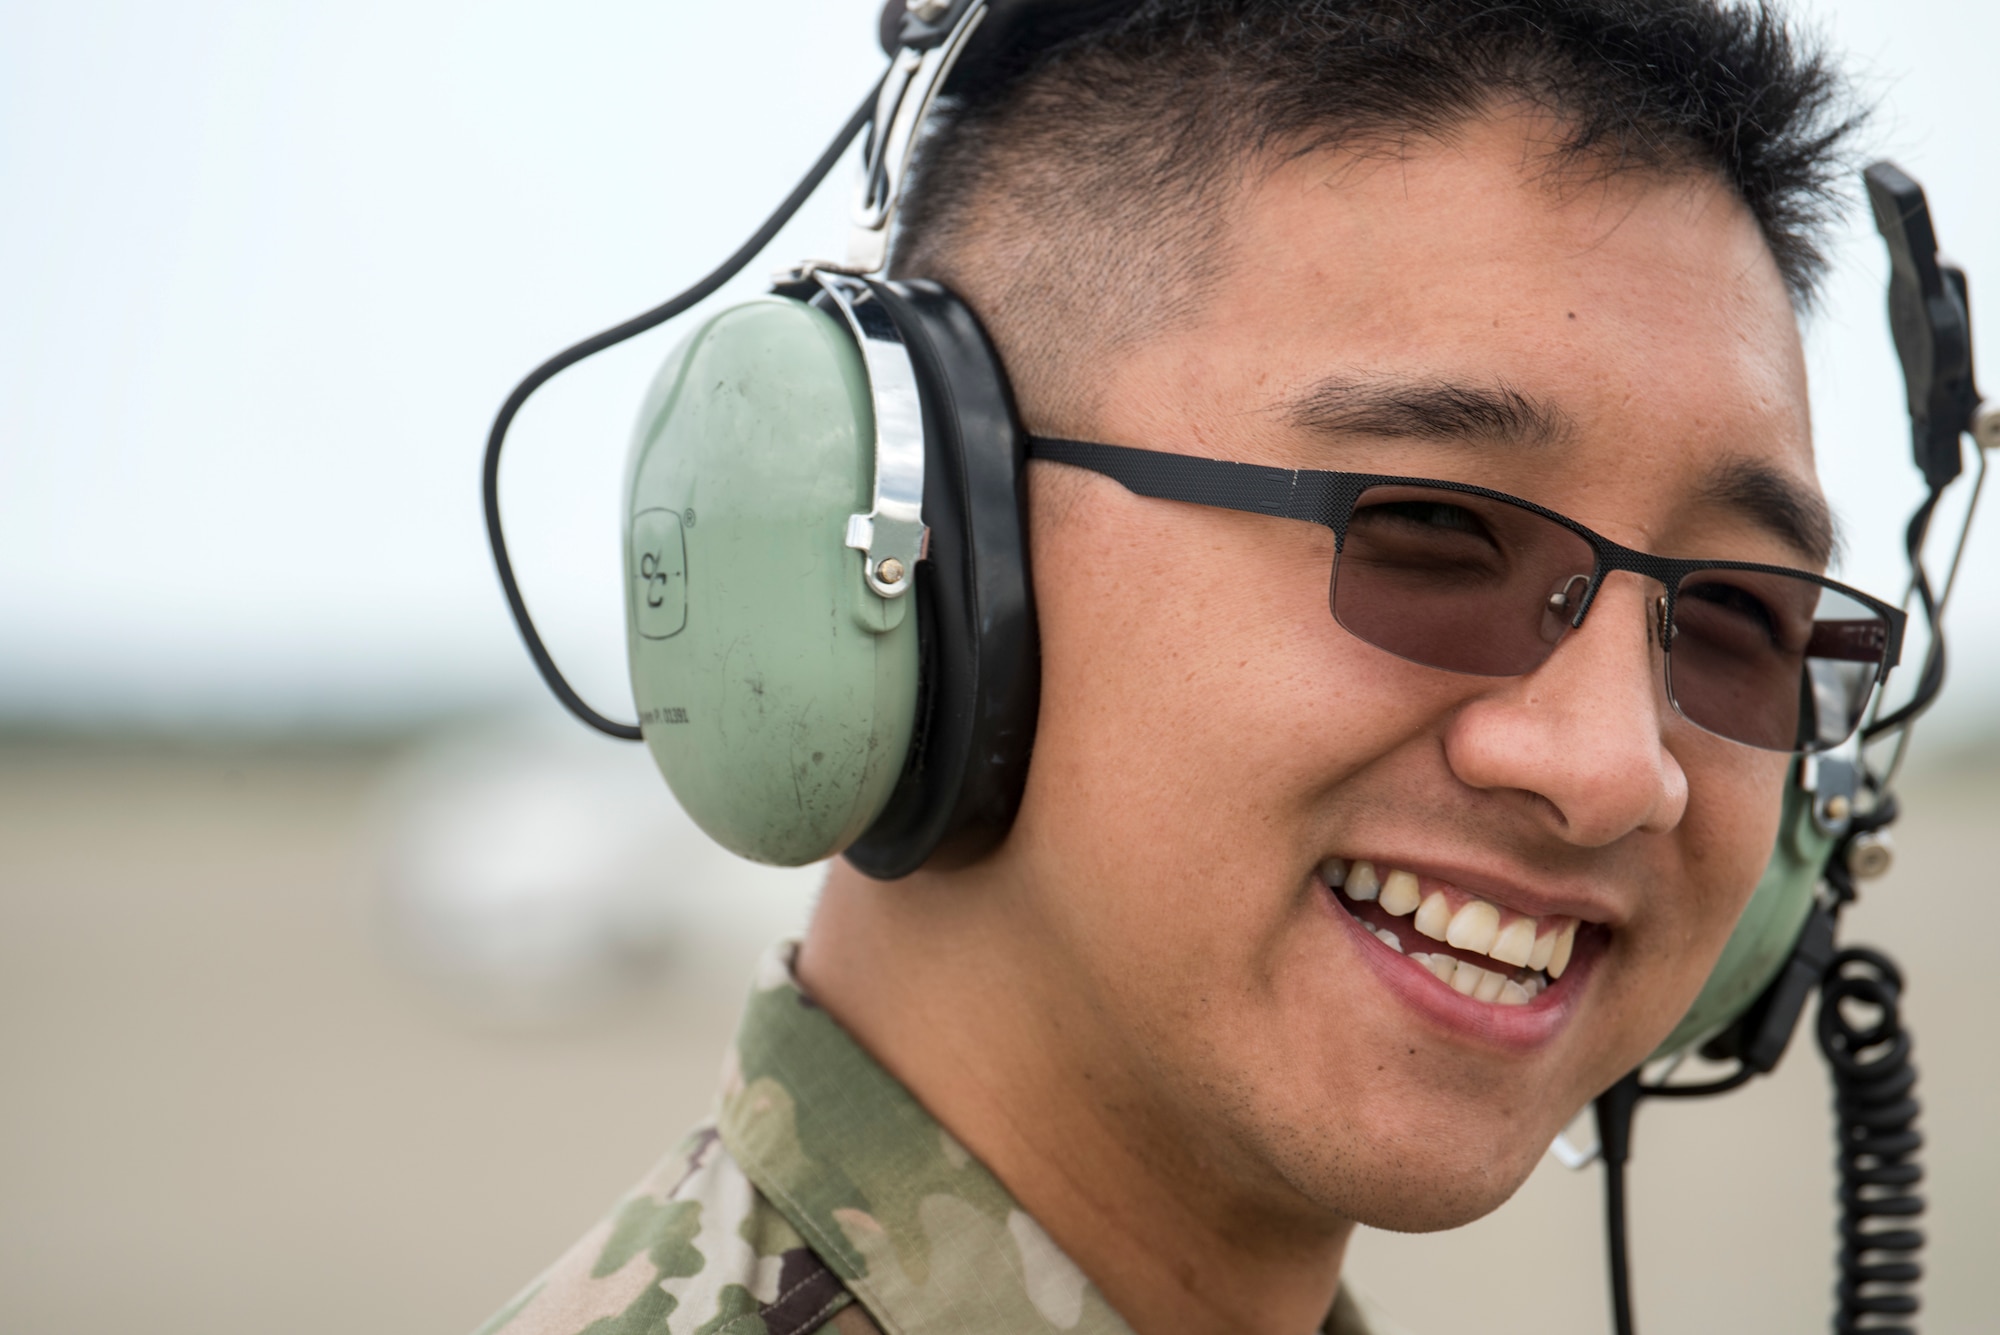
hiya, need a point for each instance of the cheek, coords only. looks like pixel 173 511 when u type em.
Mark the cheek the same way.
pixel 1735 797
pixel 1198 703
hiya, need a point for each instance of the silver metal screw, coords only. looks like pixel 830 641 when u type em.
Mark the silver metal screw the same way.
pixel 890 571
pixel 1870 854
pixel 1986 425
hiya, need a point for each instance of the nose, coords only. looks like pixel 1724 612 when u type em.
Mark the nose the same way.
pixel 1585 731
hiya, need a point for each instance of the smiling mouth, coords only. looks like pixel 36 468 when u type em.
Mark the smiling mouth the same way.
pixel 1476 948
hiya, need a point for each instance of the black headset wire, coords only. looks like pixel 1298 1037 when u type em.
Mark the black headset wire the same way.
pixel 1875 1111
pixel 597 343
pixel 1930 678
pixel 1614 1110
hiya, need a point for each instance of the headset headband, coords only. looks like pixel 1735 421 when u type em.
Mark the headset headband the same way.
pixel 938 46
pixel 1011 29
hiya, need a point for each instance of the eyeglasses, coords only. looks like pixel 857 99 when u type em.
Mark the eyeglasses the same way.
pixel 1458 577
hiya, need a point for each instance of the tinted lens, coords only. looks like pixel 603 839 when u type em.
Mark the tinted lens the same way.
pixel 1780 663
pixel 1458 582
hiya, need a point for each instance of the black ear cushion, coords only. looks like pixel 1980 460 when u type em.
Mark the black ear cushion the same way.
pixel 975 729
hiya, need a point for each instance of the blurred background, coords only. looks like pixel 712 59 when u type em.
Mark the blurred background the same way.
pixel 343 980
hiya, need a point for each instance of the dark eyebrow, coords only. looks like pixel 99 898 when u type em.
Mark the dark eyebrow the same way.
pixel 1426 410
pixel 1446 410
pixel 1776 503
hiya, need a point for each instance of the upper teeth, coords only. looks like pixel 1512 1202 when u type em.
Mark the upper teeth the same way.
pixel 1515 943
pixel 1361 882
pixel 1475 925
pixel 1399 893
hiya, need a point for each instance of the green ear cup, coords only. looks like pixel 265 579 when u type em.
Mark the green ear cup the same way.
pixel 776 691
pixel 1769 927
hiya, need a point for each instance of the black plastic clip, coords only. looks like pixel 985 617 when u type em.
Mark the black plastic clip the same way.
pixel 1931 321
pixel 1760 1036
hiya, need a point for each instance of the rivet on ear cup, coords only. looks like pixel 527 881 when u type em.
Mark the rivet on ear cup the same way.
pixel 890 571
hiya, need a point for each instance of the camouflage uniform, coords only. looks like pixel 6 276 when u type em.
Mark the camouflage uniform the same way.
pixel 822 1200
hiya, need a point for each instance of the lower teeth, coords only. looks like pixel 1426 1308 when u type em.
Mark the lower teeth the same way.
pixel 1470 980
pixel 1484 984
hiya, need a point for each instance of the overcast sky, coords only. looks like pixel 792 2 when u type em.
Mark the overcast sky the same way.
pixel 271 267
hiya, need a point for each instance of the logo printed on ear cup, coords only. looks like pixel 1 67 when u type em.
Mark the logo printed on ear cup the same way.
pixel 659 573
pixel 780 718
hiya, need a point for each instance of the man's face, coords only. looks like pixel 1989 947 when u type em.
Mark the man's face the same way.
pixel 1210 737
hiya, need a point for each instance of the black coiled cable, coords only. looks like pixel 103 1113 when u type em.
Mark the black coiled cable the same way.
pixel 1875 1109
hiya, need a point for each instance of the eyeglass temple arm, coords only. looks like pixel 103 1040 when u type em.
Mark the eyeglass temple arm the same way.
pixel 1254 488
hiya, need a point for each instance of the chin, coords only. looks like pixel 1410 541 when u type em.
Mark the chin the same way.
pixel 1440 1197
pixel 1408 1213
pixel 1406 1184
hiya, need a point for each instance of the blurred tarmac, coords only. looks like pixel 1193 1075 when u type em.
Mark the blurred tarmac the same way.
pixel 237 1095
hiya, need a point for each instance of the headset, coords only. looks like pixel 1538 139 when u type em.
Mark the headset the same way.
pixel 831 626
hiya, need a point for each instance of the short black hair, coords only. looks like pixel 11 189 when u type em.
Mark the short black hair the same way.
pixel 1119 138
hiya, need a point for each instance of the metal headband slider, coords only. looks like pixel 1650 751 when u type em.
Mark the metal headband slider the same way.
pixel 892 536
pixel 914 77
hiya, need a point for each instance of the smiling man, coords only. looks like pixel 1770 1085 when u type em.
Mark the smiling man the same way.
pixel 1320 909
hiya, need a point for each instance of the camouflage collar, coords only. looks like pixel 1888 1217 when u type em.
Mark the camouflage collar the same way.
pixel 923 1235
pixel 915 1226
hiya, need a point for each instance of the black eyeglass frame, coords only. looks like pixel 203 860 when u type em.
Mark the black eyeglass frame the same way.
pixel 1328 498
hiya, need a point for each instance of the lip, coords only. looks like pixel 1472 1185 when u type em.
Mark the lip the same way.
pixel 1514 1028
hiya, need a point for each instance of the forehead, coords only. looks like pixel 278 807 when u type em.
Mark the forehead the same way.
pixel 1642 310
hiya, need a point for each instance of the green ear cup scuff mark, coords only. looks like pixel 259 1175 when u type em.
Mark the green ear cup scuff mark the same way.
pixel 776 691
pixel 1769 927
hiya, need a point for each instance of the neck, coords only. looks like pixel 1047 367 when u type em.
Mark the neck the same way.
pixel 1182 1232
